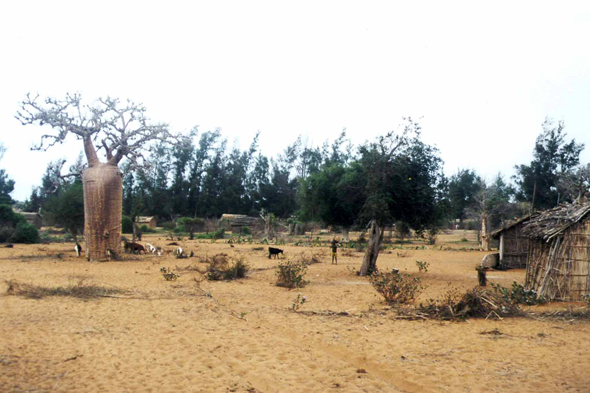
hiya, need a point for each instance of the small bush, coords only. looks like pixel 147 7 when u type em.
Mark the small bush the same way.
pixel 168 225
pixel 25 233
pixel 298 302
pixel 145 229
pixel 396 287
pixel 422 266
pixel 246 231
pixel 518 294
pixel 6 234
pixel 219 234
pixel 126 225
pixel 221 269
pixel 290 274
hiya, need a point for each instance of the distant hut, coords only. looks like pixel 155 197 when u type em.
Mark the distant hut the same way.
pixel 559 252
pixel 34 219
pixel 151 222
pixel 235 222
pixel 512 244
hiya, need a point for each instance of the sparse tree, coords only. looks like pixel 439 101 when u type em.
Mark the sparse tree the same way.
pixel 116 129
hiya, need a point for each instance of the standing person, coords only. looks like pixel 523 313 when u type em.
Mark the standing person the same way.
pixel 335 245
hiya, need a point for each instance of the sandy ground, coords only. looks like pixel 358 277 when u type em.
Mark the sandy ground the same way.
pixel 185 336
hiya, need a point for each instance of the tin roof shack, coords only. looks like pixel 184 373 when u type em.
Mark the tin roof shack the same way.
pixel 151 222
pixel 512 244
pixel 559 252
pixel 235 222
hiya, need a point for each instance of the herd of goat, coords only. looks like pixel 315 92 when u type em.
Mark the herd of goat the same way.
pixel 136 248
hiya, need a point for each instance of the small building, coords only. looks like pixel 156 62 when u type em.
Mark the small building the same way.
pixel 559 252
pixel 151 222
pixel 512 244
pixel 34 219
pixel 235 222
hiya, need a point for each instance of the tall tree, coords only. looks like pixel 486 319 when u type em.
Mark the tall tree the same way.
pixel 538 182
pixel 119 130
pixel 6 184
pixel 462 189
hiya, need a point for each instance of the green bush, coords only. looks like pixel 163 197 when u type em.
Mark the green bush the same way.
pixel 6 234
pixel 246 231
pixel 290 274
pixel 25 233
pixel 219 234
pixel 396 287
pixel 168 225
pixel 145 229
pixel 126 225
pixel 518 294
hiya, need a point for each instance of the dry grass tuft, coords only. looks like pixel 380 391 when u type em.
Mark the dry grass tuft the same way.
pixel 79 290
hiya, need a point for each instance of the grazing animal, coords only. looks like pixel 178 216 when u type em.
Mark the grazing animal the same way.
pixel 111 254
pixel 275 252
pixel 179 252
pixel 151 248
pixel 78 249
pixel 134 248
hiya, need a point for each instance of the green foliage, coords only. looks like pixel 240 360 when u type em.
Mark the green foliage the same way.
pixel 245 231
pixel 219 234
pixel 8 218
pixel 145 229
pixel 126 224
pixel 191 225
pixel 290 274
pixel 553 157
pixel 25 233
pixel 518 294
pixel 66 207
pixel 168 225
pixel 396 287
pixel 462 190
pixel 422 266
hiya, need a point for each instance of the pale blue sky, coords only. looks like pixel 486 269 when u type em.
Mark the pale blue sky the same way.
pixel 482 76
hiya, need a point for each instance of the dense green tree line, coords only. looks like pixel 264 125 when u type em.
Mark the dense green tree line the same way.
pixel 395 179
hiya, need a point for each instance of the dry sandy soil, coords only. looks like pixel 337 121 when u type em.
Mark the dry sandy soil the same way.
pixel 186 336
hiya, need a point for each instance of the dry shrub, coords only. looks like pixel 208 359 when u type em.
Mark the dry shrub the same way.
pixel 475 303
pixel 80 290
pixel 396 287
pixel 290 274
pixel 310 259
pixel 348 252
pixel 220 268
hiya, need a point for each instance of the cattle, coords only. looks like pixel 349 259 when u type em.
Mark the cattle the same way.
pixel 275 252
pixel 134 248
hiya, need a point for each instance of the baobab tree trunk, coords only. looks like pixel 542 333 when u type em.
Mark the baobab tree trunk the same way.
pixel 103 205
pixel 369 265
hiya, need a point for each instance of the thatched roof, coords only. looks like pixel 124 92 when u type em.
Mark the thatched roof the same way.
pixel 550 223
pixel 511 224
pixel 143 219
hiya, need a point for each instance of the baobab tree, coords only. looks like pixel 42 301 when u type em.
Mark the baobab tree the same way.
pixel 108 127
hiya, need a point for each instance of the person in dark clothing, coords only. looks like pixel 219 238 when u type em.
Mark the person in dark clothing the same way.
pixel 335 244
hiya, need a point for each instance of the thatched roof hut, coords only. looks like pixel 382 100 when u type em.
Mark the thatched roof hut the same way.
pixel 150 221
pixel 559 252
pixel 235 222
pixel 513 244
